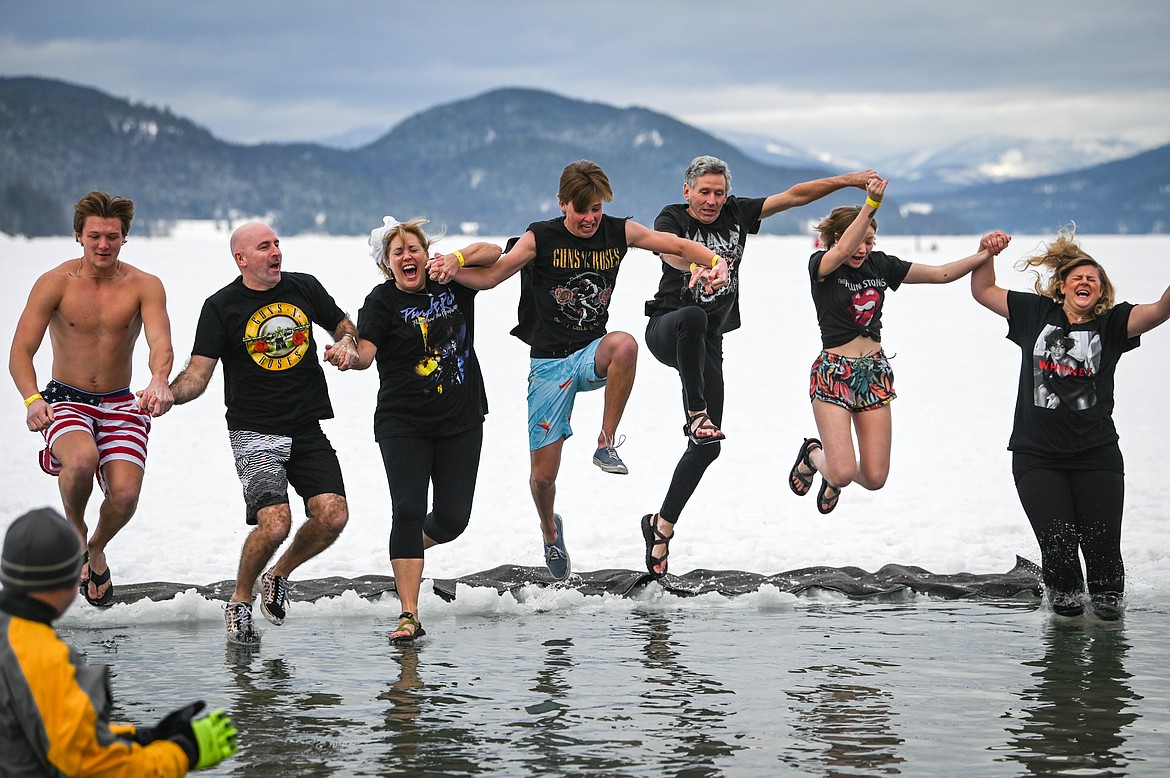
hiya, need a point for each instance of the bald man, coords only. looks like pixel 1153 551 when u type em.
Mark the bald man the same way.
pixel 260 326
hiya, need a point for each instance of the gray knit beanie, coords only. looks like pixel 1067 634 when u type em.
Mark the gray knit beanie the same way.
pixel 42 551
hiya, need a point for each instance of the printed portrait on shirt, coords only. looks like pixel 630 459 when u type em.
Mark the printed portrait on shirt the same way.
pixel 1066 365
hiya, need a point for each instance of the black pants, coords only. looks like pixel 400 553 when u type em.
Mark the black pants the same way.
pixel 1073 510
pixel 451 463
pixel 681 339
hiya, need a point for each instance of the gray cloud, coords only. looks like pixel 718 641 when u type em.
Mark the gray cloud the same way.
pixel 851 79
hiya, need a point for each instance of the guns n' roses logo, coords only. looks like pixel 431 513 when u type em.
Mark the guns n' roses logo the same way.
pixel 277 336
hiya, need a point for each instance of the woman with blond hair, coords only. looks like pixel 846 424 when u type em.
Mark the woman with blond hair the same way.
pixel 419 328
pixel 1066 462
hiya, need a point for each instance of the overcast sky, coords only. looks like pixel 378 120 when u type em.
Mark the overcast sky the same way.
pixel 853 79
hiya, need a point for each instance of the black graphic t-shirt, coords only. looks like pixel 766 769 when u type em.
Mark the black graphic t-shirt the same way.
pixel 726 237
pixel 849 302
pixel 1064 404
pixel 565 290
pixel 273 381
pixel 430 381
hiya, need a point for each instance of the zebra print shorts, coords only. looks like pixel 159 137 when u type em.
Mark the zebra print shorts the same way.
pixel 267 464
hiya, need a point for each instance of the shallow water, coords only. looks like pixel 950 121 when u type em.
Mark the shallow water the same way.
pixel 758 685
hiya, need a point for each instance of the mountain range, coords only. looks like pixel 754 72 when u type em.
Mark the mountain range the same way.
pixel 490 164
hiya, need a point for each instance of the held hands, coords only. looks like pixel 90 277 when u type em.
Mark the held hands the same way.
pixel 712 278
pixel 156 399
pixel 442 267
pixel 343 354
pixel 994 242
pixel 861 178
pixel 875 190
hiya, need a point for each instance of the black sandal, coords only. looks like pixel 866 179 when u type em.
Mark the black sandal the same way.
pixel 701 421
pixel 795 477
pixel 410 625
pixel 827 504
pixel 654 537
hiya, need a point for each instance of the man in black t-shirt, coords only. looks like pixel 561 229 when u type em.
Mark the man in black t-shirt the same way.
pixel 570 266
pixel 261 327
pixel 687 324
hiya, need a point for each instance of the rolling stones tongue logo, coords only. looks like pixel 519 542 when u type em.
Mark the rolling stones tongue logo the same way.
pixel 865 305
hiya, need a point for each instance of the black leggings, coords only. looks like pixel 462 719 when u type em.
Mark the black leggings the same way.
pixel 681 339
pixel 412 465
pixel 1071 509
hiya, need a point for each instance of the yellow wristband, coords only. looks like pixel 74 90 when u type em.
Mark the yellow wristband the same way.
pixel 872 203
pixel 715 260
pixel 32 398
pixel 459 256
pixel 693 266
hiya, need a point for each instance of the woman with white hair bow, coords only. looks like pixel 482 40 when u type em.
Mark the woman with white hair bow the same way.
pixel 418 327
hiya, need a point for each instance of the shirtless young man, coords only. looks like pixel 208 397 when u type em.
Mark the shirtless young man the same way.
pixel 94 308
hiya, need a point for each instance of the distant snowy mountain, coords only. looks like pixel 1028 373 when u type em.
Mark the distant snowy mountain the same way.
pixel 490 160
pixel 353 139
pixel 994 159
pixel 775 152
pixel 983 160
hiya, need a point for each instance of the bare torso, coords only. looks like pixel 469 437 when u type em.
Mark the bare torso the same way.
pixel 95 325
pixel 860 346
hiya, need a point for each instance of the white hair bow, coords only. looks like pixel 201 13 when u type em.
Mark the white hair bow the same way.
pixel 378 239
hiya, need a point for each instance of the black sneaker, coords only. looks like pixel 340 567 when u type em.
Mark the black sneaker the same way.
pixel 274 597
pixel 1107 606
pixel 1065 603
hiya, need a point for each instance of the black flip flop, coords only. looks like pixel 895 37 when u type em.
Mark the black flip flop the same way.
pixel 83 584
pixel 99 579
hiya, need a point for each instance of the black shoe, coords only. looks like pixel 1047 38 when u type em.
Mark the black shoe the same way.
pixel 1107 606
pixel 274 597
pixel 1065 603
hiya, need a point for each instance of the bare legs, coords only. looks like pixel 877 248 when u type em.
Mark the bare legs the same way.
pixel 328 514
pixel 77 452
pixel 838 462
pixel 616 361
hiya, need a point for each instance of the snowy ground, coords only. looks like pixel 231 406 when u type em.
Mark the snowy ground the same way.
pixel 949 505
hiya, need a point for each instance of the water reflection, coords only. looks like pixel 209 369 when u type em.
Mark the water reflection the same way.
pixel 690 712
pixel 557 737
pixel 1081 702
pixel 429 727
pixel 291 730
pixel 850 721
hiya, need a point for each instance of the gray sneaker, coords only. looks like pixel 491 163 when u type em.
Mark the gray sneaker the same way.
pixel 556 556
pixel 607 457
pixel 274 597
pixel 240 628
